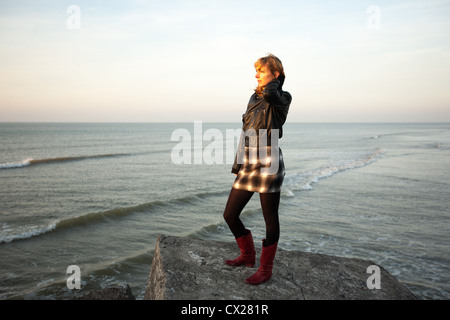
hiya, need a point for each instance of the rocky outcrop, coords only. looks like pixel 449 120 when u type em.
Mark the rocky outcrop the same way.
pixel 191 269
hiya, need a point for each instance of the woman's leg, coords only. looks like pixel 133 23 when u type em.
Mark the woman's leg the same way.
pixel 269 204
pixel 237 200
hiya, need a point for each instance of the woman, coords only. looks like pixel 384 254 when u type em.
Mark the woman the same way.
pixel 266 113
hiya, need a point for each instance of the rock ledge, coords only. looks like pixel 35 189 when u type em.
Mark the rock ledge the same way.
pixel 192 269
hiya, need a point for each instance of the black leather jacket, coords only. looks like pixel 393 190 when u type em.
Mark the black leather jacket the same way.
pixel 267 111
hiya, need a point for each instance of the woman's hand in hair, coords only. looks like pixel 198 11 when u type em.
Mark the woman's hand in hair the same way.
pixel 272 87
pixel 274 95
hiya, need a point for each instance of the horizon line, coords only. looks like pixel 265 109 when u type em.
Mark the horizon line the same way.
pixel 162 122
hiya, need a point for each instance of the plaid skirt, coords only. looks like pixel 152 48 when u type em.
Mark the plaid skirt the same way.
pixel 261 172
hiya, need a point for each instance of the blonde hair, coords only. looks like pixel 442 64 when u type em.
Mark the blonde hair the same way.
pixel 273 64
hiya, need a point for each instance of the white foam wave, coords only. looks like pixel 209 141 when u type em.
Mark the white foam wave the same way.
pixel 11 165
pixel 30 161
pixel 305 180
pixel 9 234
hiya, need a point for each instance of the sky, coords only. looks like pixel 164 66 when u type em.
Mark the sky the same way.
pixel 185 61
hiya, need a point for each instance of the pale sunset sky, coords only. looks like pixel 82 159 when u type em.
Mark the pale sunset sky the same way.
pixel 184 61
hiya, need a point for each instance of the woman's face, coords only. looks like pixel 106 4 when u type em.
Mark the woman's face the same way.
pixel 264 76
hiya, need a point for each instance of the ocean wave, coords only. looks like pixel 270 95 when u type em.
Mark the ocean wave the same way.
pixel 12 165
pixel 210 231
pixel 9 234
pixel 77 221
pixel 31 161
pixel 305 180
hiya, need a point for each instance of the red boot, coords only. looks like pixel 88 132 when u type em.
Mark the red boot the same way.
pixel 264 272
pixel 247 248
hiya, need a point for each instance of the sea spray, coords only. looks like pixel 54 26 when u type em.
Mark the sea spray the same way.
pixel 304 180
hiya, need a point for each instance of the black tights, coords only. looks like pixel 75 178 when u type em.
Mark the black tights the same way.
pixel 238 199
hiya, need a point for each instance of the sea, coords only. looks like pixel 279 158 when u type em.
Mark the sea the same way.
pixel 97 195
